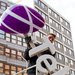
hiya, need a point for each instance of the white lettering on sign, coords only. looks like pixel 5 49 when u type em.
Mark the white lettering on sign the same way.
pixel 49 67
pixel 44 59
pixel 41 48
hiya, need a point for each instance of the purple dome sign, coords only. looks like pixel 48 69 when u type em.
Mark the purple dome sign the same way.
pixel 20 19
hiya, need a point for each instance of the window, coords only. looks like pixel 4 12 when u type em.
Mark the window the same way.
pixel 70 51
pixel 57 55
pixel 56 44
pixel 57 25
pixel 46 17
pixel 19 69
pixel 61 67
pixel 66 59
pixel 65 49
pixel 43 15
pixel 13 39
pixel 61 20
pixel 63 29
pixel 23 40
pixel 42 5
pixel 40 12
pixel 24 43
pixel 58 67
pixel 3 4
pixel 60 57
pixel 36 9
pixel 71 62
pixel 69 42
pixel 2 32
pixel 51 30
pixel 36 1
pixel 64 39
pixel 1 67
pixel 1 50
pixel 1 36
pixel 19 40
pixel 37 34
pixel 66 23
pixel 42 35
pixel 50 21
pixel 13 69
pixel 58 35
pixel 3 8
pixel 52 13
pixel 7 52
pixel 44 27
pixel 19 54
pixel 59 46
pixel 72 72
pixel 54 22
pixel 7 35
pixel 8 39
pixel 7 69
pixel 19 43
pixel 45 7
pixel 13 54
pixel 49 10
pixel 55 15
pixel 47 27
pixel 67 32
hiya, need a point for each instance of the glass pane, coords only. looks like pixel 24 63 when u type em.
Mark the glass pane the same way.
pixel 19 53
pixel 49 10
pixel 19 38
pixel 24 44
pixel 1 36
pixel 60 57
pixel 19 43
pixel 8 39
pixel 1 50
pixel 13 51
pixel 19 69
pixel 7 67
pixel 1 70
pixel 3 8
pixel 42 5
pixel 13 37
pixel 13 68
pixel 66 59
pixel 3 4
pixel 2 32
pixel 23 40
pixel 7 35
pixel 1 64
pixel 7 72
pixel 13 41
pixel 7 50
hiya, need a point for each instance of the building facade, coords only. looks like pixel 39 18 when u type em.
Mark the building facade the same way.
pixel 12 47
